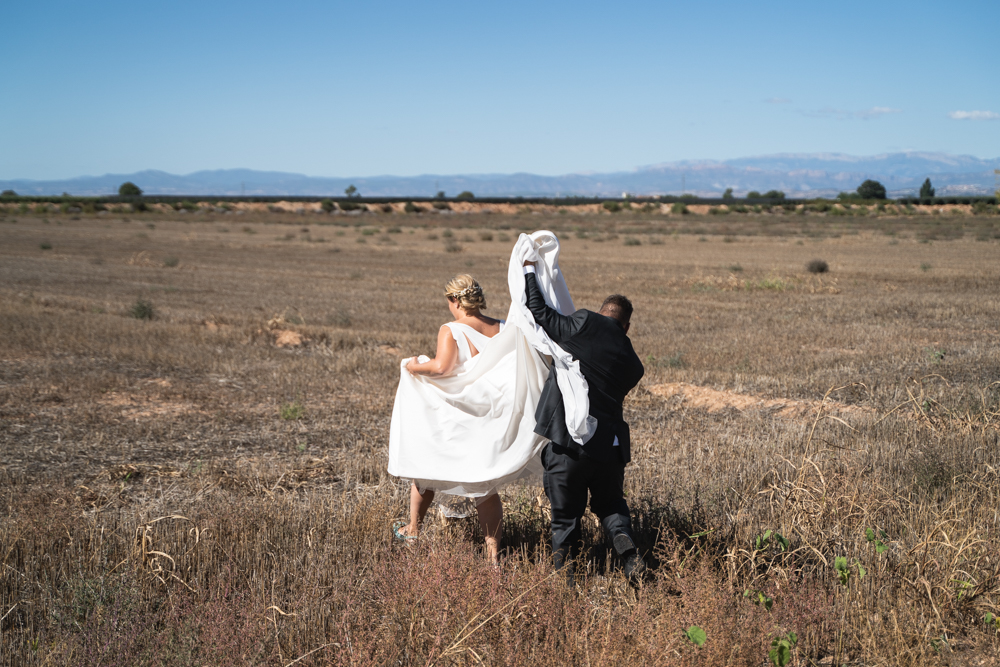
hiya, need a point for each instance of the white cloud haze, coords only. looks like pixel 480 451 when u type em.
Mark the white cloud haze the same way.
pixel 973 115
pixel 842 114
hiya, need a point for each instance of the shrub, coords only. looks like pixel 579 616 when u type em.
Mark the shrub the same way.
pixel 8 193
pixel 629 240
pixel 139 207
pixel 412 208
pixel 351 206
pixel 292 411
pixel 465 194
pixel 45 245
pixel 788 206
pixel 447 233
pixel 141 310
pixel 871 190
pixel 441 206
pixel 451 246
pixel 715 210
pixel 611 206
pixel 679 207
pixel 817 266
pixel 129 189
pixel 485 236
pixel 327 205
pixel 820 207
pixel 753 194
pixel 386 208
pixel 171 262
pixel 774 194
pixel 728 194
pixel 394 230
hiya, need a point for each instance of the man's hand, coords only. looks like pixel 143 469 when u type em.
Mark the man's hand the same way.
pixel 529 264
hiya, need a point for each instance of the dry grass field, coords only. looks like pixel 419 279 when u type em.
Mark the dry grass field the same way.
pixel 207 486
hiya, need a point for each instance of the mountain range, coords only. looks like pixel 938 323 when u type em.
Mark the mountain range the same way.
pixel 798 175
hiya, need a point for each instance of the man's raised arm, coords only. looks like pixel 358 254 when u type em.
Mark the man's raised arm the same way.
pixel 559 327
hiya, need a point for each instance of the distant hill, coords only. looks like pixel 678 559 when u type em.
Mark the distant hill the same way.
pixel 810 175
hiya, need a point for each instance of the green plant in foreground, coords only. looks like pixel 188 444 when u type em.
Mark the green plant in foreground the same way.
pixel 781 649
pixel 292 411
pixel 880 546
pixel 991 620
pixel 759 598
pixel 770 537
pixel 141 310
pixel 844 570
pixel 696 635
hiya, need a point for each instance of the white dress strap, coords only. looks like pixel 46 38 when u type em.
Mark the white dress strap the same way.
pixel 464 352
pixel 464 335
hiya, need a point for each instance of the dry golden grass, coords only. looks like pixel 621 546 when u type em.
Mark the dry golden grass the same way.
pixel 158 508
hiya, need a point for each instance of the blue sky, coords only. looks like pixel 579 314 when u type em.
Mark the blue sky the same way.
pixel 405 88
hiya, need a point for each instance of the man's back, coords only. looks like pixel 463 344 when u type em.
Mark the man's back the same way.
pixel 610 366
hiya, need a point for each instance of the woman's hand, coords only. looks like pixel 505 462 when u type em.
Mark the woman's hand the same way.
pixel 444 361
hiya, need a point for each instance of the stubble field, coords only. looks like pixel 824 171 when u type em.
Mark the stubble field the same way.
pixel 208 486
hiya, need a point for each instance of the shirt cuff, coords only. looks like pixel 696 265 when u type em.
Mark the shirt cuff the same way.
pixel 529 269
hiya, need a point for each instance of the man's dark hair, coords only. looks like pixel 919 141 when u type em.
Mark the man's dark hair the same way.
pixel 618 307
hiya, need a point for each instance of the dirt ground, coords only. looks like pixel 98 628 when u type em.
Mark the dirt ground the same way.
pixel 240 431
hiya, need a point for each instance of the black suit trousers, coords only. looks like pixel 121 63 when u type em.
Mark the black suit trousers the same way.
pixel 567 480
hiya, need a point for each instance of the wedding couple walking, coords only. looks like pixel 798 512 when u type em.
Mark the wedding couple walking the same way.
pixel 539 394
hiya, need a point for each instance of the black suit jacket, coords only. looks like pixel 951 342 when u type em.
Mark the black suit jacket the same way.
pixel 610 366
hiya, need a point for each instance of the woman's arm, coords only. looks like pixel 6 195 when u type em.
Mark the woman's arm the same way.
pixel 444 361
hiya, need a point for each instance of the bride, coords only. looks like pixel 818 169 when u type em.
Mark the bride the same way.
pixel 463 422
pixel 458 347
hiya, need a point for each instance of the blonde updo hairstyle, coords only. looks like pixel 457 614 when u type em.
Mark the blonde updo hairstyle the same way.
pixel 464 290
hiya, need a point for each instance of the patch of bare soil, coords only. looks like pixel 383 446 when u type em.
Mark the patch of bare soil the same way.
pixel 713 400
pixel 287 338
pixel 134 406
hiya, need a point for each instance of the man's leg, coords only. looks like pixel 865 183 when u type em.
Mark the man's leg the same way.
pixel 567 495
pixel 607 501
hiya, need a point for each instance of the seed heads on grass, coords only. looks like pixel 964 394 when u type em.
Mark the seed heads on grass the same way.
pixel 817 266
pixel 142 310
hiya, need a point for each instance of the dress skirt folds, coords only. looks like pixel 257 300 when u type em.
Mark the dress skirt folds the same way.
pixel 472 432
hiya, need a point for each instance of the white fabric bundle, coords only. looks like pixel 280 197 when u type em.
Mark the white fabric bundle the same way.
pixel 542 247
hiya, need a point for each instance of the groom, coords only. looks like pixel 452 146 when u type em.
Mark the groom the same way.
pixel 599 341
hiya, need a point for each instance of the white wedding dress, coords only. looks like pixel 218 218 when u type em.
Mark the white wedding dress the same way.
pixel 472 432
